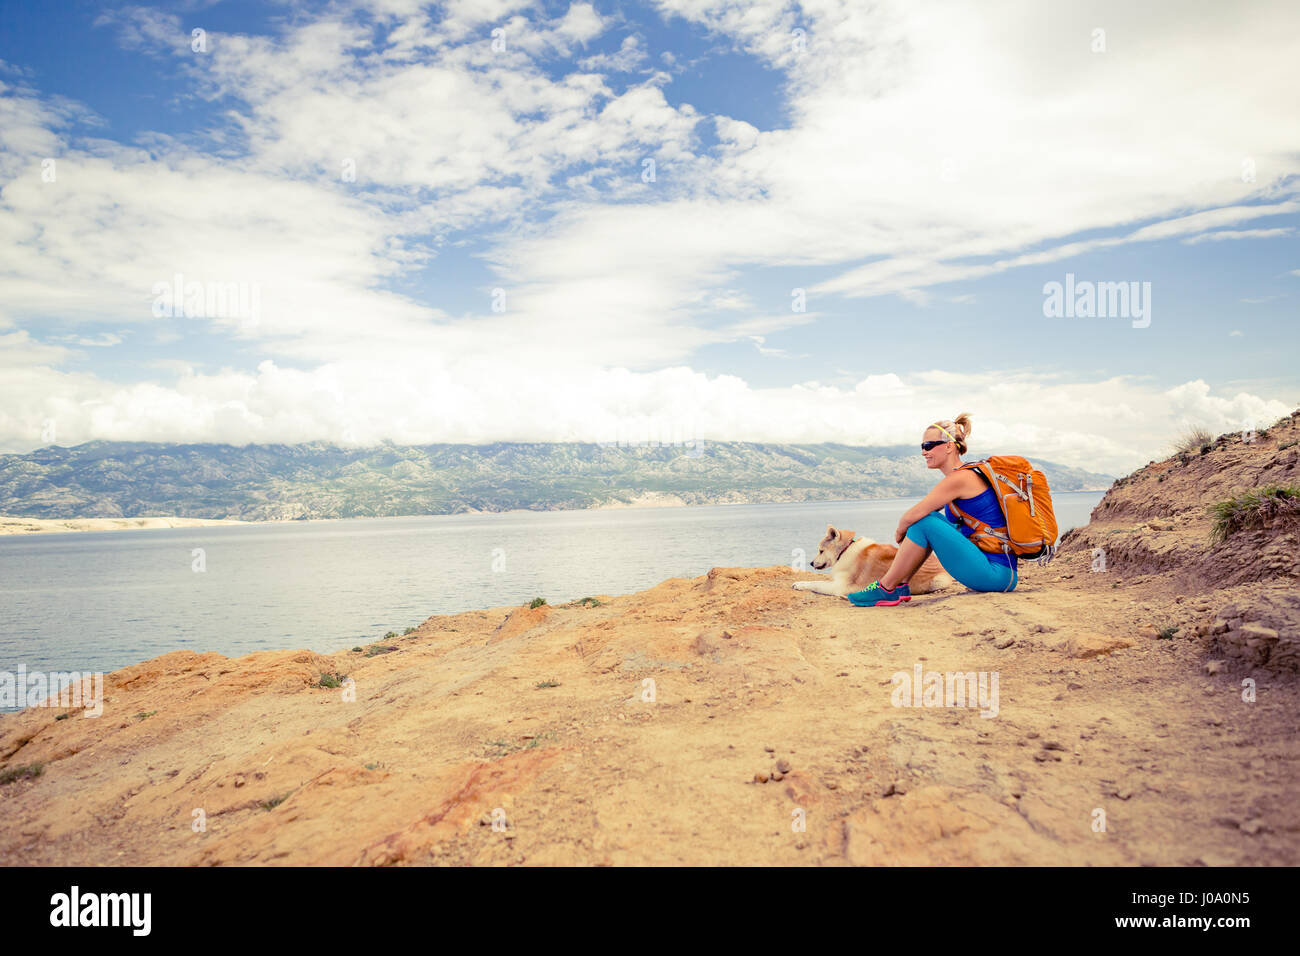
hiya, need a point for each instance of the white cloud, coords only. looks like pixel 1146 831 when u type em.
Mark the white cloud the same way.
pixel 103 340
pixel 927 144
pixel 630 56
pixel 1223 234
pixel 1112 425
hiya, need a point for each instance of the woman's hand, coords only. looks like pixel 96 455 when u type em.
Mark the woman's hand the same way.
pixel 900 532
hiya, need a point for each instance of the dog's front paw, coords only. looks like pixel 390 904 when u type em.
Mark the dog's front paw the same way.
pixel 802 585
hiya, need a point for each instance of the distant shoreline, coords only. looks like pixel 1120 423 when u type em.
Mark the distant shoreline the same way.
pixel 10 525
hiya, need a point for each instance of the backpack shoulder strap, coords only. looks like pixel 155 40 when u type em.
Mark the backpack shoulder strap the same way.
pixel 980 530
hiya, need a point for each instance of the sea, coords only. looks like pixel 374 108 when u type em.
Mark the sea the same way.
pixel 98 601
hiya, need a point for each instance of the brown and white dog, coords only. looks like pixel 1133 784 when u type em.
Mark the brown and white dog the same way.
pixel 855 564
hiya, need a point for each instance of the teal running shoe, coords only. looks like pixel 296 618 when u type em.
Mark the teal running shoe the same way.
pixel 876 596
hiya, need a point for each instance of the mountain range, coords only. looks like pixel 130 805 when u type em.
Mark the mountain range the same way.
pixel 106 479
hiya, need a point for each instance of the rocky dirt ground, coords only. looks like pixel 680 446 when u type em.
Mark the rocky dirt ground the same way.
pixel 730 719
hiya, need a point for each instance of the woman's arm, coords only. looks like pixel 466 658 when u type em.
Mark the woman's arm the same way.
pixel 960 484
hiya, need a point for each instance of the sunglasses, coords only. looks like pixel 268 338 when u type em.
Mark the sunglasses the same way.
pixel 927 445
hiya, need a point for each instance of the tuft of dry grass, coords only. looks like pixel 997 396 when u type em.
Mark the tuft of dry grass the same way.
pixel 1253 509
pixel 1193 440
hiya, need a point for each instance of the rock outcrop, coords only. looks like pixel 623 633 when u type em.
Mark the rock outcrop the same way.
pixel 1155 526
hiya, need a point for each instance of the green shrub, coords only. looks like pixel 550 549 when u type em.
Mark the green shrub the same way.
pixel 537 602
pixel 274 801
pixel 1253 509
pixel 26 772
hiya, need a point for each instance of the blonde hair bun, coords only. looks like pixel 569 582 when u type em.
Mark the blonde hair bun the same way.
pixel 959 428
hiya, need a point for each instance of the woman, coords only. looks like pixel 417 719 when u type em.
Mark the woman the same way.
pixel 923 528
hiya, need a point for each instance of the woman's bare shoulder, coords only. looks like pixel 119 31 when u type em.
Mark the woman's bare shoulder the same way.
pixel 969 483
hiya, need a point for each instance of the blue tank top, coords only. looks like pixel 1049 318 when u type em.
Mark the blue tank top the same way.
pixel 983 507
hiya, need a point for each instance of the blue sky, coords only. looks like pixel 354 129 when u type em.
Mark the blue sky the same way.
pixel 440 239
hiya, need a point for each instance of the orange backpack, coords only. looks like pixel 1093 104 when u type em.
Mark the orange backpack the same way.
pixel 1026 502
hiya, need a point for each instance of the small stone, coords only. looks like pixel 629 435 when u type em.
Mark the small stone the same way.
pixel 239 781
pixel 778 775
pixel 1259 631
pixel 1251 827
pixel 760 777
pixel 832 785
pixel 770 749
pixel 783 765
pixel 1213 667
pixel 1053 745
pixel 1073 686
pixel 894 789
pixel 1087 645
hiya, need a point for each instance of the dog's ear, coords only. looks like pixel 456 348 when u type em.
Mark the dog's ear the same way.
pixel 830 530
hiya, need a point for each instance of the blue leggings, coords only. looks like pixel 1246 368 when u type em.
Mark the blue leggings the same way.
pixel 959 555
